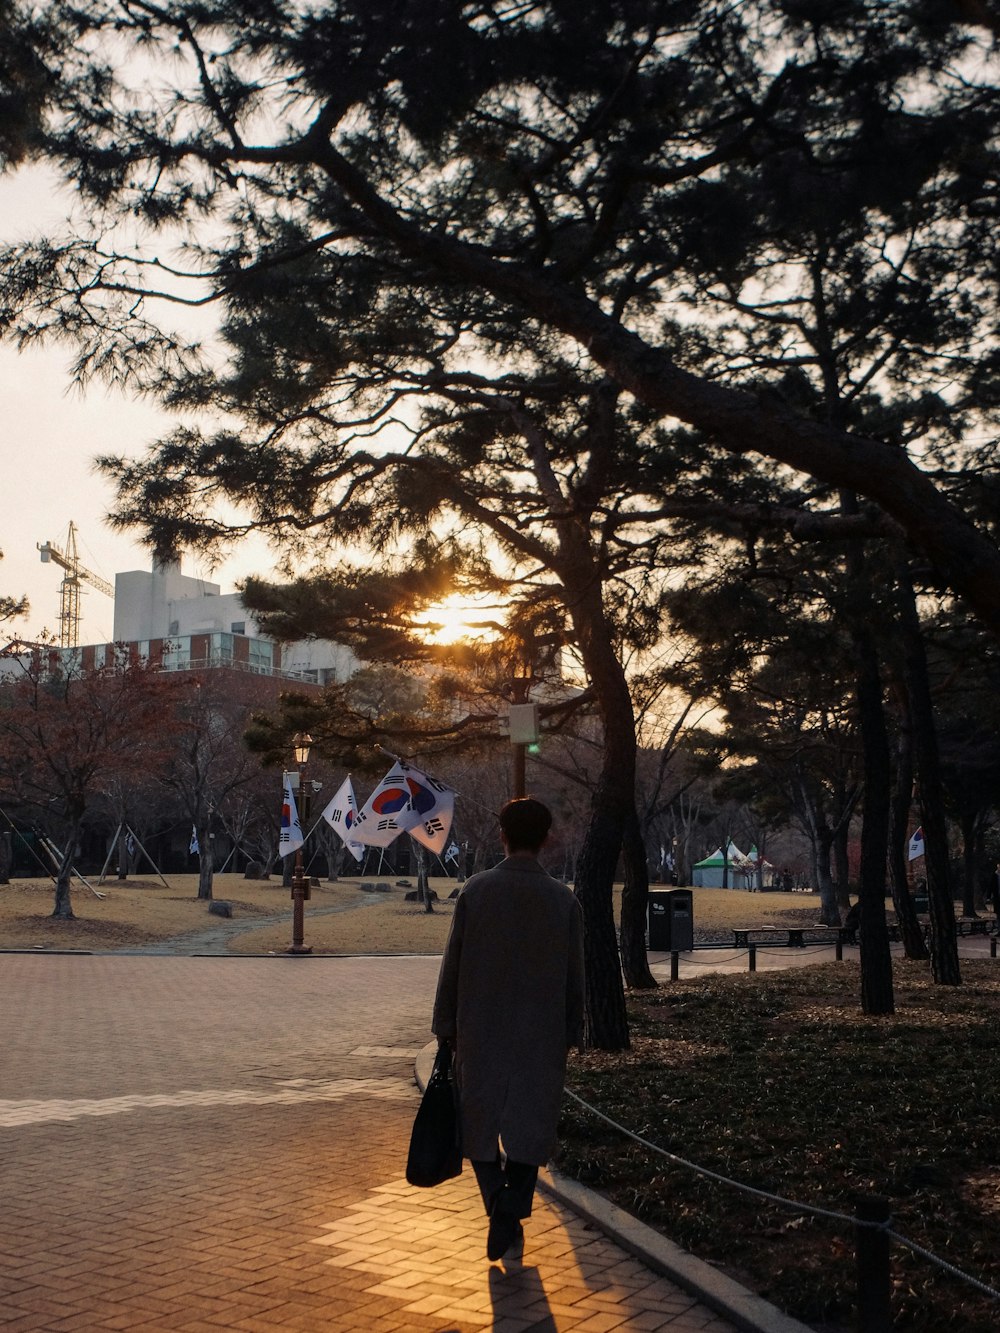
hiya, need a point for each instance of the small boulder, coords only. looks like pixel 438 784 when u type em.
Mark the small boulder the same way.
pixel 219 908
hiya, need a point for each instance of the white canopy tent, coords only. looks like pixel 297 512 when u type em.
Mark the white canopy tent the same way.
pixel 740 870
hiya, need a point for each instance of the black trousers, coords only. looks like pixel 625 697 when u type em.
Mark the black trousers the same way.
pixel 507 1187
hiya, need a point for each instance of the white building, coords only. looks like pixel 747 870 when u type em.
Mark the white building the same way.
pixel 193 624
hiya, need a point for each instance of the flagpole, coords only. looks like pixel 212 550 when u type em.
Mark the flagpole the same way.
pixel 107 859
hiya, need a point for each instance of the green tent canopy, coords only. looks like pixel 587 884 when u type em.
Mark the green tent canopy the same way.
pixel 741 872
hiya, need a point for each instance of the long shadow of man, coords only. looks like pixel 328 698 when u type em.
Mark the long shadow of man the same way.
pixel 517 1294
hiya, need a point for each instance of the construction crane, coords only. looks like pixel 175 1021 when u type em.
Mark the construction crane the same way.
pixel 69 593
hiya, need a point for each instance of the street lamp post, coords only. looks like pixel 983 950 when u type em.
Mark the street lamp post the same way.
pixel 518 699
pixel 300 883
pixel 522 726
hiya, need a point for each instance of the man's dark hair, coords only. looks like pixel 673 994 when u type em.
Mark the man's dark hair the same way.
pixel 525 823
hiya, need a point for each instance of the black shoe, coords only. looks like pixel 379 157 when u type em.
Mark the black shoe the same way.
pixel 505 1232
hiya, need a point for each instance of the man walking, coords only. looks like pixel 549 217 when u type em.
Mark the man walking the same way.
pixel 510 1000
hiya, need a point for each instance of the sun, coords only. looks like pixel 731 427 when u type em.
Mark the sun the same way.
pixel 460 618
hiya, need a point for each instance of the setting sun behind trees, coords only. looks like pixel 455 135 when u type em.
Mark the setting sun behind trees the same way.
pixel 459 618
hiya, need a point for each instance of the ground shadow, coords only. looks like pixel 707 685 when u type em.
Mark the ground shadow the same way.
pixel 517 1293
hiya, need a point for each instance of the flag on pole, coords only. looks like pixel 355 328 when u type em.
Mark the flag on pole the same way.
pixel 290 839
pixel 341 813
pixel 387 812
pixel 453 852
pixel 432 804
pixel 193 844
pixel 916 847
pixel 407 800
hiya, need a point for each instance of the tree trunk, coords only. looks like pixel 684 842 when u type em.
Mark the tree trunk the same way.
pixel 970 860
pixel 335 852
pixel 6 857
pixel 607 1022
pixel 612 812
pixel 876 958
pixel 914 944
pixel 822 842
pixel 423 885
pixel 635 900
pixel 63 906
pixel 842 870
pixel 206 865
pixel 944 935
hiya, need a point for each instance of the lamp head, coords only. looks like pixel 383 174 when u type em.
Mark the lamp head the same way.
pixel 301 742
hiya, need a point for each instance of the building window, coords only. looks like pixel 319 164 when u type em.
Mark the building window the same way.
pixel 238 627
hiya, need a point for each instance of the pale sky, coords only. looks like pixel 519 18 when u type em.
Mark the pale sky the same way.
pixel 49 435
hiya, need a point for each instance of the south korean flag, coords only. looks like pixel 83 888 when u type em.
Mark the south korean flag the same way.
pixel 433 802
pixel 341 814
pixel 387 813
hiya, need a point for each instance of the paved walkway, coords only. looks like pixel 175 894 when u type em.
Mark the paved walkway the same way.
pixel 777 958
pixel 192 1145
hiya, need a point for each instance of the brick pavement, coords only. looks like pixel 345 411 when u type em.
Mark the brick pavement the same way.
pixel 192 1145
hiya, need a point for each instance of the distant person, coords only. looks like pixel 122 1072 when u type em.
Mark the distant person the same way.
pixel 851 923
pixel 510 1001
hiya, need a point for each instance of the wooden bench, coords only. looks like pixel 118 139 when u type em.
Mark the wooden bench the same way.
pixel 977 926
pixel 752 938
pixel 791 937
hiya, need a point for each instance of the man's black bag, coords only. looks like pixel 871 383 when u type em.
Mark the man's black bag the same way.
pixel 436 1140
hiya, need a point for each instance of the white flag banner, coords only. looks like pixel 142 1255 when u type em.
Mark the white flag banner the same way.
pixel 341 814
pixel 432 804
pixel 193 844
pixel 916 847
pixel 290 838
pixel 387 813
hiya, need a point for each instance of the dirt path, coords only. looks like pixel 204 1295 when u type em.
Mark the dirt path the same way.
pixel 215 939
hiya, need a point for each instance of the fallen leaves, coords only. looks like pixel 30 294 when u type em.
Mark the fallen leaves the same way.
pixel 782 1084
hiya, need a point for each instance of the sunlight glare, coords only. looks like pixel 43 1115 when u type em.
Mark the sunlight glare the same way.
pixel 459 618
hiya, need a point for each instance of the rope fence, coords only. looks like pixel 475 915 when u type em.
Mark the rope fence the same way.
pixel 871 1223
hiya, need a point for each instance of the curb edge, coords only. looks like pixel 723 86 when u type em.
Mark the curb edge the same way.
pixel 748 1311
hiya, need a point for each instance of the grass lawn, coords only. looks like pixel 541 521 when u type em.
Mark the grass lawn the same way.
pixel 135 913
pixel 141 912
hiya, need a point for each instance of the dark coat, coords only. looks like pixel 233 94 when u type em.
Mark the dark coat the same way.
pixel 511 996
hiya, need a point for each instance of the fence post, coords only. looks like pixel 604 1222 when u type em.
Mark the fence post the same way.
pixel 753 957
pixel 872 1243
pixel 675 959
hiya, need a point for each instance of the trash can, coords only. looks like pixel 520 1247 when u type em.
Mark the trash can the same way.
pixel 671 919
